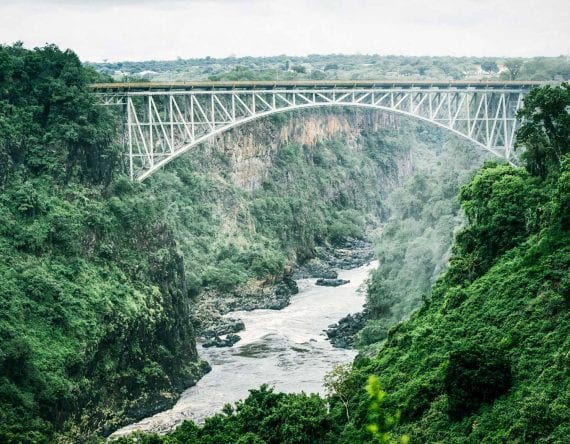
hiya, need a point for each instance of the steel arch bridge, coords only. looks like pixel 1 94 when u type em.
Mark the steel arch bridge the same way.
pixel 164 120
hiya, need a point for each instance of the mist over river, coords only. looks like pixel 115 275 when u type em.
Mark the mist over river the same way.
pixel 286 349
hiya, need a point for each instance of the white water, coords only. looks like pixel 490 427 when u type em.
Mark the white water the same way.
pixel 286 349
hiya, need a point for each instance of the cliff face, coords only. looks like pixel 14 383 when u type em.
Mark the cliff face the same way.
pixel 249 150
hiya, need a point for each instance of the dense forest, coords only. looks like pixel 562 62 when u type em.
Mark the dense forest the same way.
pixel 99 276
pixel 344 67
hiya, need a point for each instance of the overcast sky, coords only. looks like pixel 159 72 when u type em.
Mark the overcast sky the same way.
pixel 166 29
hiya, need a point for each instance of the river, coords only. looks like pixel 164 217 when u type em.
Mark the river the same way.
pixel 286 349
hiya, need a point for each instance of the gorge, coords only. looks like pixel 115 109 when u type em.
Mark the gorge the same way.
pixel 107 283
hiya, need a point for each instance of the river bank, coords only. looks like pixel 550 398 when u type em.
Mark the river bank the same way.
pixel 287 349
pixel 210 313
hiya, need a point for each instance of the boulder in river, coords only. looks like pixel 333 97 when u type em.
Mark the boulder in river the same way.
pixel 343 334
pixel 216 341
pixel 315 268
pixel 223 326
pixel 331 282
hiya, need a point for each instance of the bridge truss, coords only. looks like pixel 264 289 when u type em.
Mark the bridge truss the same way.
pixel 163 121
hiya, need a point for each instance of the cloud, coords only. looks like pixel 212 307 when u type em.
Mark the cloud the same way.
pixel 165 29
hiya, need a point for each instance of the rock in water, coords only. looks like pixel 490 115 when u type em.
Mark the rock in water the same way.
pixel 229 340
pixel 343 334
pixel 331 282
pixel 315 268
pixel 223 327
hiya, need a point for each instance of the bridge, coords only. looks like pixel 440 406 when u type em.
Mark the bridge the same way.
pixel 163 120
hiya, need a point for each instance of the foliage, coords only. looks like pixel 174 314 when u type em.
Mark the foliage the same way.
pixel 275 418
pixel 503 206
pixel 413 246
pixel 474 376
pixel 513 67
pixel 94 308
pixel 97 274
pixel 489 66
pixel 49 121
pixel 484 359
pixel 310 195
pixel 545 129
pixel 339 384
pixel 381 422
pixel 263 417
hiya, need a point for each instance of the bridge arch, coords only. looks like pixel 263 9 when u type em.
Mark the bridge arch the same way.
pixel 164 121
pixel 219 130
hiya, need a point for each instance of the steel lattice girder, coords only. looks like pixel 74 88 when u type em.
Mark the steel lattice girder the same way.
pixel 163 124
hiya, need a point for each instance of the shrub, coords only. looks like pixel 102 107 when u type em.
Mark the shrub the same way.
pixel 475 376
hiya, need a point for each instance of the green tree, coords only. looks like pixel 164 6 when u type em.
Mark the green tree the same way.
pixel 514 67
pixel 338 383
pixel 501 205
pixel 545 129
pixel 489 66
pixel 49 119
pixel 381 422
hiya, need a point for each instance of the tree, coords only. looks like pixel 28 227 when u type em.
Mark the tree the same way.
pixel 317 74
pixel 50 121
pixel 545 129
pixel 514 67
pixel 502 207
pixel 489 66
pixel 339 384
pixel 381 422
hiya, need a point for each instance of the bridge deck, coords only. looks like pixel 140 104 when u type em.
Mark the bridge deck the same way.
pixel 274 84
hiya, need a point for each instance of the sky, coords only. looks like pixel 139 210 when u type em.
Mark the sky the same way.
pixel 99 30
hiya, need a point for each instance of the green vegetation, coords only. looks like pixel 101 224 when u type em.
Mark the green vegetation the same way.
pixel 414 245
pixel 94 316
pixel 98 274
pixel 310 195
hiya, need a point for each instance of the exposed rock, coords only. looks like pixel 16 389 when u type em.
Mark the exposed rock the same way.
pixel 315 268
pixel 217 341
pixel 250 149
pixel 273 297
pixel 287 287
pixel 350 254
pixel 331 282
pixel 208 311
pixel 223 326
pixel 343 334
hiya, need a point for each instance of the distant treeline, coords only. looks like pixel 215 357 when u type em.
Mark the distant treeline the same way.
pixel 336 66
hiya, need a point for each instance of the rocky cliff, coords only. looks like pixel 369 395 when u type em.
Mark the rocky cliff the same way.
pixel 249 149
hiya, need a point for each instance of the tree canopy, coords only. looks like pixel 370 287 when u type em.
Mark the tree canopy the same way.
pixel 545 129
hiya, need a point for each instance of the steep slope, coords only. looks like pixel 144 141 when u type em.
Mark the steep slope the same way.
pixel 486 357
pixel 94 325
